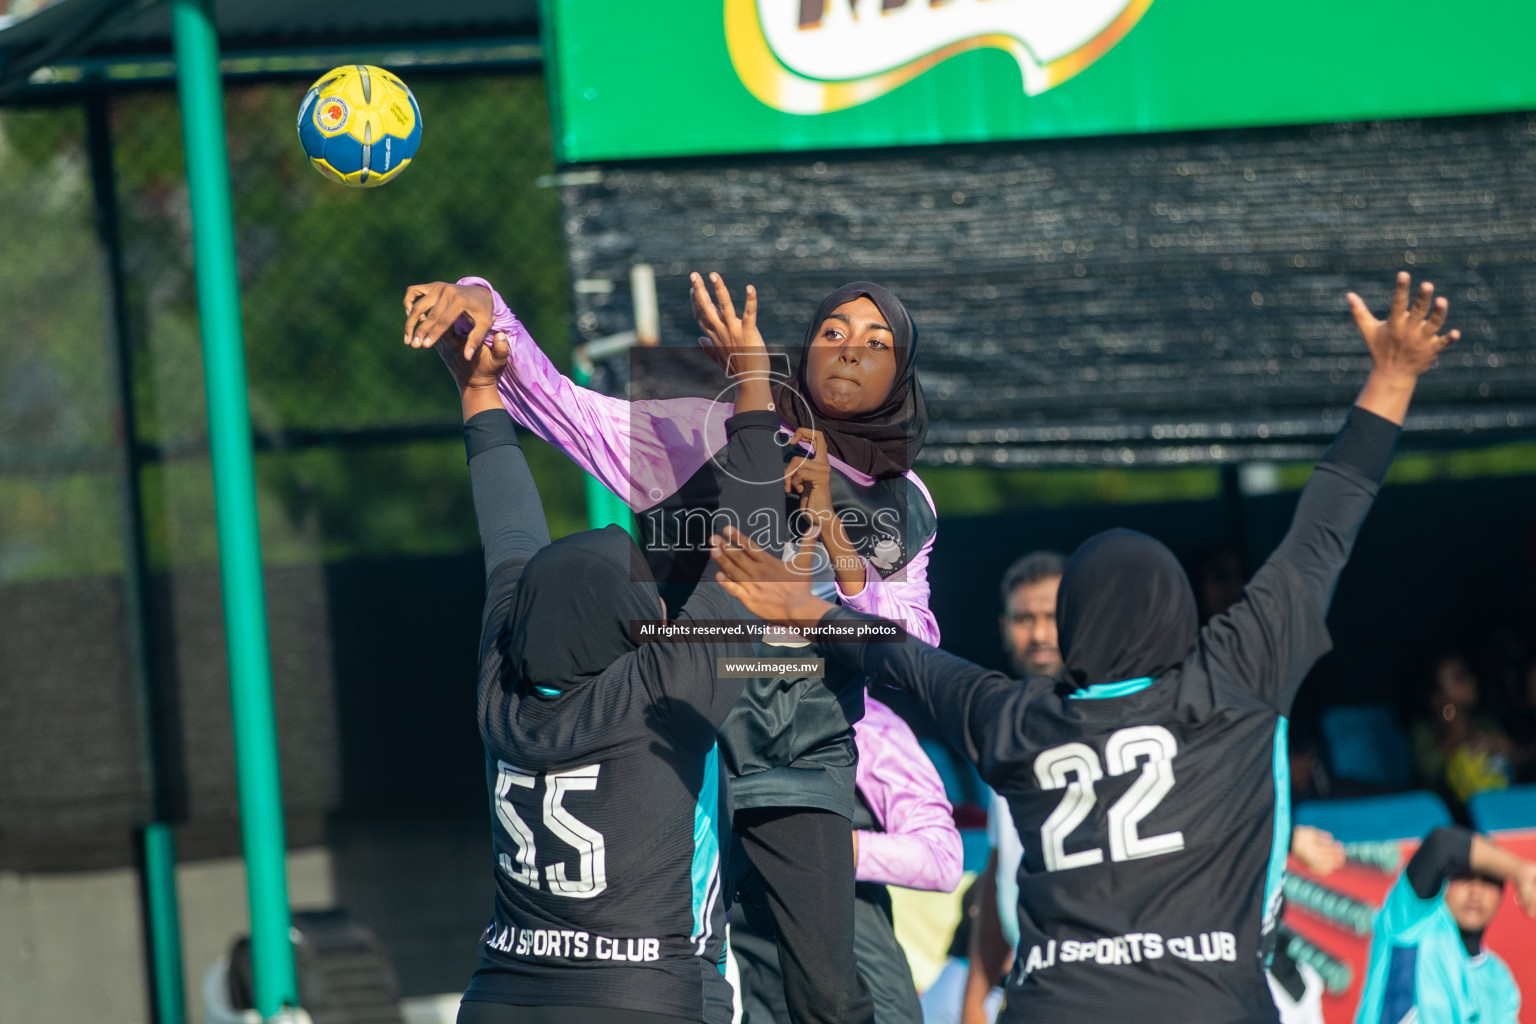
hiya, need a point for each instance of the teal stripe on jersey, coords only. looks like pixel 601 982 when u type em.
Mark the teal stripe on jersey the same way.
pixel 705 870
pixel 1275 879
pixel 1102 691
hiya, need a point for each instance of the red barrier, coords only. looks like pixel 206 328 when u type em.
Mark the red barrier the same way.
pixel 1512 935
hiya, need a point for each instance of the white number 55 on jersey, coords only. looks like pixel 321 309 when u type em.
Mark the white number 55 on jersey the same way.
pixel 587 841
pixel 1075 768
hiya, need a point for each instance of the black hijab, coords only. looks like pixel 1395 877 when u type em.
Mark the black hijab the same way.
pixel 575 600
pixel 1125 610
pixel 884 441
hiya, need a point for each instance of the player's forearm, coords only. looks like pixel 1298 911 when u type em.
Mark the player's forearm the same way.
pixel 1387 393
pixel 1335 502
pixel 847 566
pixel 475 400
pixel 973 1004
pixel 927 857
pixel 967 702
pixel 903 598
pixel 989 947
pixel 593 429
pixel 507 506
pixel 1489 858
pixel 752 493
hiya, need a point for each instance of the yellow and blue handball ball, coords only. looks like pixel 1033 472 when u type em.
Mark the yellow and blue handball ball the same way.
pixel 360 125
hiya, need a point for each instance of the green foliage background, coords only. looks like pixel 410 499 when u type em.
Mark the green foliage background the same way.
pixel 322 272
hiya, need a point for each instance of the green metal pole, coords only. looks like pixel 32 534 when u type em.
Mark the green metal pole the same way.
pixel 158 843
pixel 164 922
pixel 201 92
pixel 604 508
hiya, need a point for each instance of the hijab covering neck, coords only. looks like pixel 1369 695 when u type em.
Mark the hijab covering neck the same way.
pixel 1125 610
pixel 884 441
pixel 575 601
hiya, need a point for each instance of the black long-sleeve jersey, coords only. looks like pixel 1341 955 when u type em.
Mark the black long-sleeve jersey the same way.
pixel 607 798
pixel 1155 814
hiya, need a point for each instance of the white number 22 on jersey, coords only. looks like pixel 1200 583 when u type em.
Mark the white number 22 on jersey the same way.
pixel 1075 768
pixel 587 841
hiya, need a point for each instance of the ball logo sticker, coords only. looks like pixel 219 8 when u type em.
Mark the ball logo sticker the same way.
pixel 331 114
pixel 817 56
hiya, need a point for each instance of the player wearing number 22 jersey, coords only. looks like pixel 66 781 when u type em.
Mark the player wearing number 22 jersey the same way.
pixel 1150 788
pixel 606 792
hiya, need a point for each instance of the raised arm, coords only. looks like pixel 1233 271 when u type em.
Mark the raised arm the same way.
pixel 1403 348
pixel 642 451
pixel 682 676
pixel 507 506
pixel 1273 636
pixel 1448 852
pixel 1444 854
pixel 920 847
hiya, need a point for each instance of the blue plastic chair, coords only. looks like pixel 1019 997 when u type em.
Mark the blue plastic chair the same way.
pixel 1376 818
pixel 1503 810
pixel 1365 744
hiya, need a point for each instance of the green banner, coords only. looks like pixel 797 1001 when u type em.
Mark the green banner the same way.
pixel 695 77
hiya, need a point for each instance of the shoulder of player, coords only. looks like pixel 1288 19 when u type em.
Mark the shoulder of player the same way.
pixel 1191 692
pixel 922 489
pixel 1198 684
pixel 919 489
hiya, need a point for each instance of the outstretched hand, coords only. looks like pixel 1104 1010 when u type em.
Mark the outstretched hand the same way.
pixel 431 309
pixel 733 342
pixel 771 588
pixel 1408 341
pixel 1403 346
pixel 477 367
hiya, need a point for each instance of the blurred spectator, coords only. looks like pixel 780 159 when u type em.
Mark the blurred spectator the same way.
pixel 1428 961
pixel 1459 749
pixel 1028 621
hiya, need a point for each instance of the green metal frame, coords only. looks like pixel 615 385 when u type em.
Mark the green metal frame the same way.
pixel 164 922
pixel 201 92
pixel 157 842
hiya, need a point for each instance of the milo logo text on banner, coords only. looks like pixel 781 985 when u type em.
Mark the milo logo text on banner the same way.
pixel 817 56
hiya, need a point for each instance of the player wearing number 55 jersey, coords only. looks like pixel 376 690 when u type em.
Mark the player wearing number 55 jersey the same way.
pixel 601 764
pixel 1148 787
